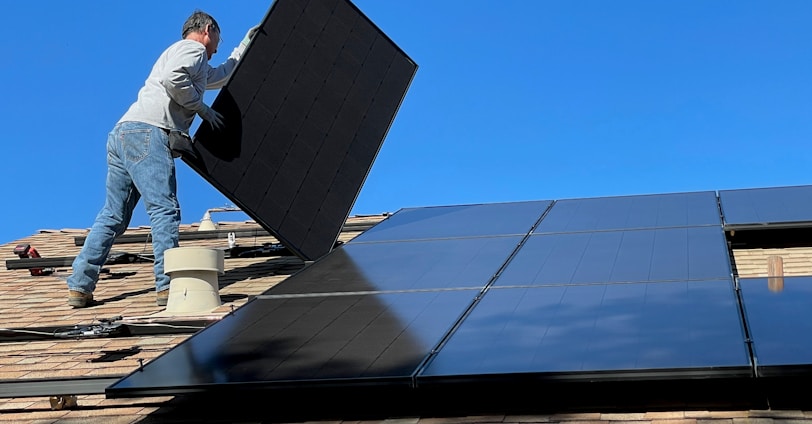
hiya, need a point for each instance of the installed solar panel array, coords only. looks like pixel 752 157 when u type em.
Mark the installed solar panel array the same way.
pixel 444 295
pixel 613 285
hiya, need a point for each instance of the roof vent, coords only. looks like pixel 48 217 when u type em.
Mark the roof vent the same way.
pixel 194 286
pixel 206 224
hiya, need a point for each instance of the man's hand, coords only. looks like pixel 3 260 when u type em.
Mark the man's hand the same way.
pixel 214 118
pixel 249 35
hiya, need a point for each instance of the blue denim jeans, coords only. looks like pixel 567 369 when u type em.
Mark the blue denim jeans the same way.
pixel 139 164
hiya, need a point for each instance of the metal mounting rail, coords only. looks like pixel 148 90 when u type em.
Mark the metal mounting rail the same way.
pixel 268 249
pixel 111 327
pixel 114 258
pixel 28 263
pixel 19 388
pixel 183 235
pixel 118 258
pixel 211 234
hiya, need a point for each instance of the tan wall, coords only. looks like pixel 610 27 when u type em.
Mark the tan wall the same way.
pixel 754 262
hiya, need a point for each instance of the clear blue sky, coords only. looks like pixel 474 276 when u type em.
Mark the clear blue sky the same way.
pixel 513 100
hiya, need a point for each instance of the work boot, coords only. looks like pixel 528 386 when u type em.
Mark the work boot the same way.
pixel 162 297
pixel 78 299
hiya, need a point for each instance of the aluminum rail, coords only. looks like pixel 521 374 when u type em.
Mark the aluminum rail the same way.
pixel 211 234
pixel 19 388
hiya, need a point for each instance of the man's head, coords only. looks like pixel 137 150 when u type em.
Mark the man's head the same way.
pixel 202 28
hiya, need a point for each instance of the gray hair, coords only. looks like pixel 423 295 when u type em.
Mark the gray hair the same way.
pixel 197 23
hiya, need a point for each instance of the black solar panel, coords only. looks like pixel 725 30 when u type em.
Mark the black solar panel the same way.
pixel 413 265
pixel 670 328
pixel 631 212
pixel 295 342
pixel 665 254
pixel 458 221
pixel 307 111
pixel 767 207
pixel 780 321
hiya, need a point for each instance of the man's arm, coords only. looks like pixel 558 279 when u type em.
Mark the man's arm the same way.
pixel 218 77
pixel 183 70
pixel 179 78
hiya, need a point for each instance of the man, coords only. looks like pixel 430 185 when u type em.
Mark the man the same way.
pixel 139 160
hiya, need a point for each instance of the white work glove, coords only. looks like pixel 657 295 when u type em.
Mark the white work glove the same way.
pixel 249 35
pixel 240 49
pixel 214 118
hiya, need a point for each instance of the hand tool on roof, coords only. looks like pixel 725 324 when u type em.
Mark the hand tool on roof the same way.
pixel 27 251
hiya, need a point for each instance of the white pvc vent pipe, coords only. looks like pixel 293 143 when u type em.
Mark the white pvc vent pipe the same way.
pixel 193 273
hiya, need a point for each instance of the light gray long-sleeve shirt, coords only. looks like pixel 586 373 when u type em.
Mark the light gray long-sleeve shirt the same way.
pixel 173 91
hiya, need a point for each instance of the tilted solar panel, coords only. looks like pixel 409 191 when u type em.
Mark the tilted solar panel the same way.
pixel 306 113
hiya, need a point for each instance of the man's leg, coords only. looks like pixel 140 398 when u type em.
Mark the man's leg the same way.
pixel 155 178
pixel 110 223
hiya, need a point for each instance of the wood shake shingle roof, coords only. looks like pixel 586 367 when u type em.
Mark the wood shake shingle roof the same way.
pixel 36 354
